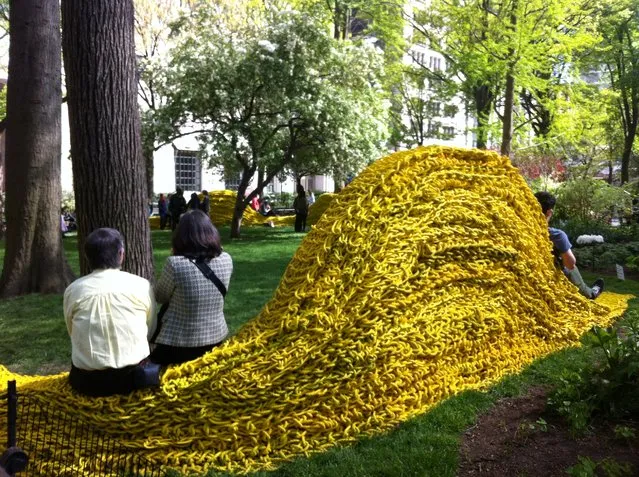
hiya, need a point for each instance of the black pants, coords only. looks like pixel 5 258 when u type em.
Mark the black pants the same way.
pixel 163 220
pixel 165 354
pixel 110 381
pixel 103 382
pixel 174 221
pixel 300 222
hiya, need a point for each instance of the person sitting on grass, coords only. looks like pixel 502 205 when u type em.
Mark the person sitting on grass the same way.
pixel 192 288
pixel 108 314
pixel 266 209
pixel 562 249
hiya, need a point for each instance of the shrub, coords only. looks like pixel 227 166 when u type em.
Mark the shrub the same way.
pixel 576 227
pixel 68 201
pixel 609 385
pixel 606 255
pixel 591 200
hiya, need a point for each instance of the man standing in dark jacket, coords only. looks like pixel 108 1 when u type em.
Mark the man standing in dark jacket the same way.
pixel 205 204
pixel 177 206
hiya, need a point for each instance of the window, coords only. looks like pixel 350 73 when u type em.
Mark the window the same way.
pixel 448 131
pixel 231 180
pixel 433 108
pixel 188 170
pixel 433 128
pixel 435 63
pixel 450 110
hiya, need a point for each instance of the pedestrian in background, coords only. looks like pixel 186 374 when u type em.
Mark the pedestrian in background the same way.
pixel 300 204
pixel 205 204
pixel 177 206
pixel 163 210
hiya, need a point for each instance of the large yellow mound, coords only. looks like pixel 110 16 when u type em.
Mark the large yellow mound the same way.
pixel 429 274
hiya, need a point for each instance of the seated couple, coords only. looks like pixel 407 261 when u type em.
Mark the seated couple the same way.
pixel 110 314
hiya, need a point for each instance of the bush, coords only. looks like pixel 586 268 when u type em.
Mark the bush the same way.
pixel 591 200
pixel 68 201
pixel 283 199
pixel 609 385
pixel 576 227
pixel 606 255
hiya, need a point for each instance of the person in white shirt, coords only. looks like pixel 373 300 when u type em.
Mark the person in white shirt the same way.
pixel 108 314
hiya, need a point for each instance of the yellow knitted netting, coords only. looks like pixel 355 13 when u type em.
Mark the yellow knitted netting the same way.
pixel 221 207
pixel 222 203
pixel 429 274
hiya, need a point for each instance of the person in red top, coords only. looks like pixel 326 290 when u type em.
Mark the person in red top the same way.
pixel 255 202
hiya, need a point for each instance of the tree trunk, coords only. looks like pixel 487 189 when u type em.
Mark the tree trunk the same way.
pixel 108 167
pixel 483 105
pixel 610 170
pixel 147 153
pixel 34 260
pixel 509 104
pixel 628 142
pixel 336 20
pixel 260 180
pixel 241 202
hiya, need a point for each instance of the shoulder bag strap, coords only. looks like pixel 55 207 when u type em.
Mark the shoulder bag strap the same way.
pixel 210 274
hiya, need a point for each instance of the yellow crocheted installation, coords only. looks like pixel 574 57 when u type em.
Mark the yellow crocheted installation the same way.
pixel 429 274
pixel 317 209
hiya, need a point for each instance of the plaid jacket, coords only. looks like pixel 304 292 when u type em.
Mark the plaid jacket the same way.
pixel 195 316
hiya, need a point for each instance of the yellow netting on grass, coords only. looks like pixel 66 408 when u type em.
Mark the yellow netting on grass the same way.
pixel 223 202
pixel 429 274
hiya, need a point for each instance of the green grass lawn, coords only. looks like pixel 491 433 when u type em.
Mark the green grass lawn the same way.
pixel 259 260
pixel 34 340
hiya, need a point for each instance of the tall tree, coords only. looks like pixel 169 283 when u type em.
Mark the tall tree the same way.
pixel 280 92
pixel 620 29
pixel 108 169
pixel 34 260
pixel 499 47
pixel 155 32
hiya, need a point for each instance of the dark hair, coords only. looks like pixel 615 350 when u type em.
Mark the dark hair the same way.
pixel 205 192
pixel 102 247
pixel 179 191
pixel 546 200
pixel 196 236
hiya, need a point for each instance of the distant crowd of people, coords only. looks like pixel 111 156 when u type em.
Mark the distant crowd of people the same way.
pixel 172 208
pixel 300 205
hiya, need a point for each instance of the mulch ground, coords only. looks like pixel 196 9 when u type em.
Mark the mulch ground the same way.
pixel 510 441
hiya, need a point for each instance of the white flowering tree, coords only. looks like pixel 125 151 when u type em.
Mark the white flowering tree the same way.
pixel 277 95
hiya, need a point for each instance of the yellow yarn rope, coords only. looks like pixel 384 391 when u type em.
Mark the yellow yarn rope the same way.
pixel 431 273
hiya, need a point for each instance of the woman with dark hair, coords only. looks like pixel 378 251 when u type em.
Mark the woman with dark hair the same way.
pixel 192 289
